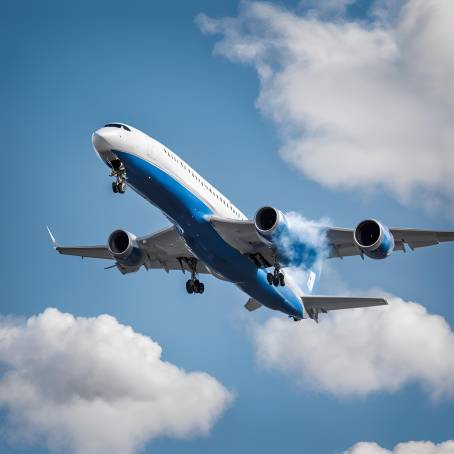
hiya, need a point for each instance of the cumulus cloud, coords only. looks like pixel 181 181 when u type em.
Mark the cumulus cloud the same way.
pixel 325 8
pixel 361 351
pixel 411 447
pixel 91 385
pixel 359 104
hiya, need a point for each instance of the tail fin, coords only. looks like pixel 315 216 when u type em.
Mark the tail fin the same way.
pixel 307 279
pixel 313 277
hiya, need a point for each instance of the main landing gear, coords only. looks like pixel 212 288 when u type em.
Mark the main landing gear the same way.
pixel 193 285
pixel 118 171
pixel 276 278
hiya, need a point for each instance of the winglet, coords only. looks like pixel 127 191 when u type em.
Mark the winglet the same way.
pixel 54 241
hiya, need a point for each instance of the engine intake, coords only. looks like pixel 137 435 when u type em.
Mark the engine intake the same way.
pixel 124 248
pixel 269 222
pixel 374 239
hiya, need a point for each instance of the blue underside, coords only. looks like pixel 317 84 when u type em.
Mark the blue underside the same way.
pixel 191 215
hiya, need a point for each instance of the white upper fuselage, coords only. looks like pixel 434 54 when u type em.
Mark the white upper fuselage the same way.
pixel 145 147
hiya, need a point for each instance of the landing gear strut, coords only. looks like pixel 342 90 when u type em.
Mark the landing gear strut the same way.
pixel 119 172
pixel 193 285
pixel 276 278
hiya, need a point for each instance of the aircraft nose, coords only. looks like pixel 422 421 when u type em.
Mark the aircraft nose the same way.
pixel 100 141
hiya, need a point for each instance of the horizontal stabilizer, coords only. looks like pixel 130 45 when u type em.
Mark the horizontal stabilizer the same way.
pixel 252 305
pixel 323 304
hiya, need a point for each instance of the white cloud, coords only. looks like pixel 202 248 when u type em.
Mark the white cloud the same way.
pixel 411 447
pixel 91 385
pixel 357 352
pixel 326 8
pixel 359 105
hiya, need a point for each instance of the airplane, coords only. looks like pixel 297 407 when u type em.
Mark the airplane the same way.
pixel 210 235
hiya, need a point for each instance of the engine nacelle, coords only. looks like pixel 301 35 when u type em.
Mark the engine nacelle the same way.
pixel 125 249
pixel 269 222
pixel 374 239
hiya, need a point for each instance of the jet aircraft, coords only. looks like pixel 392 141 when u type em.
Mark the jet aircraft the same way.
pixel 210 235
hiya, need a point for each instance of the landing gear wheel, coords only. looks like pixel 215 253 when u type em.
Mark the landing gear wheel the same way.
pixel 119 172
pixel 190 286
pixel 269 278
pixel 193 285
pixel 277 278
pixel 281 279
pixel 121 187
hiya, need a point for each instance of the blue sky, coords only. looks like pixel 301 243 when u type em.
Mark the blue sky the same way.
pixel 68 68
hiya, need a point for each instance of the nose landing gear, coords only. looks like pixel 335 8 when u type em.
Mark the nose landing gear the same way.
pixel 119 172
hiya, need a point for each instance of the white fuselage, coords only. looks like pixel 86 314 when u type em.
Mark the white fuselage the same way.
pixel 145 147
pixel 112 141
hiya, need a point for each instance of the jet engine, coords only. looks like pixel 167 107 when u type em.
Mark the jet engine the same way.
pixel 125 249
pixel 269 222
pixel 374 239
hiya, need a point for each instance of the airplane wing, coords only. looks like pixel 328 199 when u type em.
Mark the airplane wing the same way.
pixel 343 245
pixel 315 305
pixel 242 236
pixel 164 249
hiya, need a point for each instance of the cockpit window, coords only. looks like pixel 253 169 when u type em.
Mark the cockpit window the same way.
pixel 117 125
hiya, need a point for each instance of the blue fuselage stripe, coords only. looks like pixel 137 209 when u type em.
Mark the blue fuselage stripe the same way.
pixel 191 215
